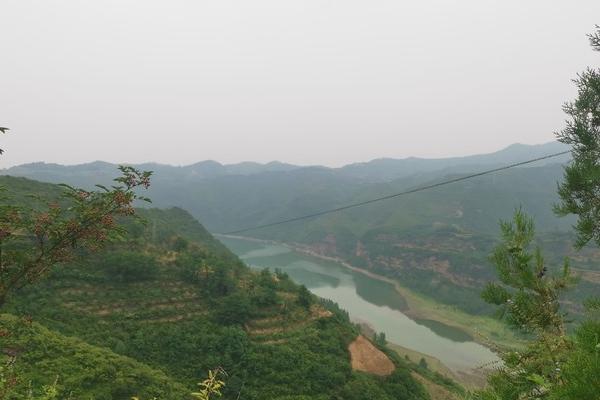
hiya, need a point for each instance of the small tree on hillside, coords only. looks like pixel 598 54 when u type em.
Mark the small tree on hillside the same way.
pixel 528 297
pixel 36 238
pixel 579 192
pixel 304 297
pixel 3 130
pixel 554 365
pixel 128 266
pixel 380 339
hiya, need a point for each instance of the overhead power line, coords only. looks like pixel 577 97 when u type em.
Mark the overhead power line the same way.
pixel 392 196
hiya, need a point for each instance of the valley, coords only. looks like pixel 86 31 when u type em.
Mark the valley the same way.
pixel 310 200
pixel 165 304
pixel 436 243
pixel 411 269
pixel 371 300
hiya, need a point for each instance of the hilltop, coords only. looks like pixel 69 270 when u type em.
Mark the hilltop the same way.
pixel 435 242
pixel 378 170
pixel 159 309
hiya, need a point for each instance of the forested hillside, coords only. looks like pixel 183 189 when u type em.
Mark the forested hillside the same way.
pixel 151 314
pixel 379 170
pixel 435 242
pixel 300 200
pixel 80 370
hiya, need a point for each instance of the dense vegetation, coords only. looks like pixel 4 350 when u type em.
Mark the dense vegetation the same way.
pixel 165 304
pixel 81 370
pixel 554 365
pixel 435 242
pixel 172 301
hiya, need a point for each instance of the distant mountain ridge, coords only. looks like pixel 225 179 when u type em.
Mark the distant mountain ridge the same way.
pixel 200 170
pixel 377 170
pixel 436 241
pixel 150 314
pixel 385 169
pixel 227 197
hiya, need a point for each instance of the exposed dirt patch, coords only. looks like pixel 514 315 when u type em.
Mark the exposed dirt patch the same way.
pixel 318 312
pixel 367 358
pixel 276 324
pixel 175 303
pixel 177 317
pixel 440 266
pixel 265 331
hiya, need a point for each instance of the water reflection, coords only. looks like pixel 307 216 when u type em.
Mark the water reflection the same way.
pixel 447 331
pixel 367 299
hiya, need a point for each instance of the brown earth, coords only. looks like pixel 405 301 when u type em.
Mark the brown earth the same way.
pixel 277 324
pixel 367 358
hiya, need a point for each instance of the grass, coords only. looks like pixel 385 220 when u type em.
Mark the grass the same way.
pixel 487 331
pixel 432 363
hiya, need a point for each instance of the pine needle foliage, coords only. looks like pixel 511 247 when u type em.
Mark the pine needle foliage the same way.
pixel 581 185
pixel 528 298
pixel 528 295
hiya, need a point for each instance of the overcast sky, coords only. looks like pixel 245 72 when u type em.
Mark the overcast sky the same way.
pixel 307 82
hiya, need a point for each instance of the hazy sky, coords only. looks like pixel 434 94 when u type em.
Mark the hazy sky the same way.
pixel 308 82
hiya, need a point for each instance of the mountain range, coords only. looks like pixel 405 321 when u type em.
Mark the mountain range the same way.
pixel 378 170
pixel 150 314
pixel 436 242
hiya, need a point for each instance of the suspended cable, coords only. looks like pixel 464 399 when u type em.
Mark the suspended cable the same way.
pixel 391 196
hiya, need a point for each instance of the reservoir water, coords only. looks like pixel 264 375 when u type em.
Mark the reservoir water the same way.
pixel 369 300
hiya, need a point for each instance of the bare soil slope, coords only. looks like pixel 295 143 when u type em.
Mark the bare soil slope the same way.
pixel 367 358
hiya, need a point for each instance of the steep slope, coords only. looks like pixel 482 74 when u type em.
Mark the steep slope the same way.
pixel 81 370
pixel 229 197
pixel 436 242
pixel 173 298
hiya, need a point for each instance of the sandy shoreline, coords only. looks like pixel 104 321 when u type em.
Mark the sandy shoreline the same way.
pixel 413 310
pixel 472 379
pixel 305 250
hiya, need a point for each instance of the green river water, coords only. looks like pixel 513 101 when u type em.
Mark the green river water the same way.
pixel 369 300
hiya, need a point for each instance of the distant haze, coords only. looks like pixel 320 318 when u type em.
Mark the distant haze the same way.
pixel 304 82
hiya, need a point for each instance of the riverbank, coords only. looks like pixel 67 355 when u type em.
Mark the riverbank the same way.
pixel 486 331
pixel 472 380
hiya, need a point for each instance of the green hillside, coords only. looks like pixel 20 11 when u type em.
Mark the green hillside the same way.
pixel 438 242
pixel 230 197
pixel 82 371
pixel 435 242
pixel 173 302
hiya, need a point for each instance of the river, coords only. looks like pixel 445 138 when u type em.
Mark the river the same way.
pixel 369 300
